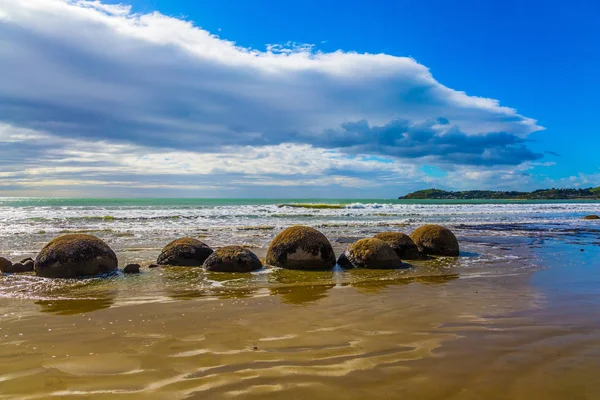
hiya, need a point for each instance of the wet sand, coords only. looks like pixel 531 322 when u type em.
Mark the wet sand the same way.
pixel 494 327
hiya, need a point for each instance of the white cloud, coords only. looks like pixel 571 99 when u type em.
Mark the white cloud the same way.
pixel 99 91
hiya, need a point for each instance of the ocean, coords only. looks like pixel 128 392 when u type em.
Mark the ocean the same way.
pixel 514 317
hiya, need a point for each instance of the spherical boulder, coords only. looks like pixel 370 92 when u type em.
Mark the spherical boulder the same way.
pixel 185 252
pixel 593 216
pixel 402 244
pixel 232 259
pixel 301 247
pixel 435 240
pixel 75 255
pixel 371 253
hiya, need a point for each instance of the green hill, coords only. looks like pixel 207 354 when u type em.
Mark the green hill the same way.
pixel 542 194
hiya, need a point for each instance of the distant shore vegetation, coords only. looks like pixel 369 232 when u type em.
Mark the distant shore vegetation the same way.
pixel 542 194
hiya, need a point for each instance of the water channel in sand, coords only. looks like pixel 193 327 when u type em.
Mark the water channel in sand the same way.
pixel 512 318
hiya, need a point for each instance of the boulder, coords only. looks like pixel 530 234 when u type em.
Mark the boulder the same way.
pixel 75 255
pixel 435 240
pixel 402 244
pixel 5 264
pixel 185 252
pixel 371 253
pixel 301 247
pixel 593 216
pixel 131 269
pixel 232 259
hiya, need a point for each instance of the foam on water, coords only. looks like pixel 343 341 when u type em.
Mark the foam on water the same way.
pixel 27 223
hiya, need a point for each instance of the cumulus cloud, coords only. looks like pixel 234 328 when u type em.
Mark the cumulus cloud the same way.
pixel 85 72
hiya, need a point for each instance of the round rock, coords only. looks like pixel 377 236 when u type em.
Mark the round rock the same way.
pixel 71 256
pixel 131 269
pixel 371 253
pixel 185 252
pixel 5 264
pixel 402 244
pixel 232 259
pixel 435 240
pixel 301 247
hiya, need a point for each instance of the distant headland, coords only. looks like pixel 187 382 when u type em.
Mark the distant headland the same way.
pixel 542 194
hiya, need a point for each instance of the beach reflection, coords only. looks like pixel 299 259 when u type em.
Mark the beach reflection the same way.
pixel 301 294
pixel 75 306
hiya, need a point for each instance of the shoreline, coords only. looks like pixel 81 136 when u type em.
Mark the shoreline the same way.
pixel 158 335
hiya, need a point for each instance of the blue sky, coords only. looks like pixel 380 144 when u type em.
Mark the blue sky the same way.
pixel 296 98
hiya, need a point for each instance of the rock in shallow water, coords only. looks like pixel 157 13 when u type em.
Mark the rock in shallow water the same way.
pixel 75 255
pixel 232 259
pixel 5 264
pixel 402 244
pixel 435 240
pixel 301 247
pixel 132 269
pixel 185 252
pixel 370 253
pixel 593 216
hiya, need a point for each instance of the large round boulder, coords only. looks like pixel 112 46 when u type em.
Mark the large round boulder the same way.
pixel 76 255
pixel 435 240
pixel 301 247
pixel 402 244
pixel 593 216
pixel 185 252
pixel 232 259
pixel 370 253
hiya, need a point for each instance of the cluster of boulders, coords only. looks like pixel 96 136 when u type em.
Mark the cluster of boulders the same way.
pixel 297 247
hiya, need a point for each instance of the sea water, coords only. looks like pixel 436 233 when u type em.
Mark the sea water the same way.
pixel 514 317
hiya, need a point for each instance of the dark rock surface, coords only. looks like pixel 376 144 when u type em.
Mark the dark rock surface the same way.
pixel 75 255
pixel 301 247
pixel 435 240
pixel 232 259
pixel 186 252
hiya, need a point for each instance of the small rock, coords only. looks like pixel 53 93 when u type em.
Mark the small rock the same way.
pixel 28 265
pixel 153 266
pixel 23 261
pixel 5 264
pixel 18 267
pixel 131 269
pixel 344 262
pixel 591 217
